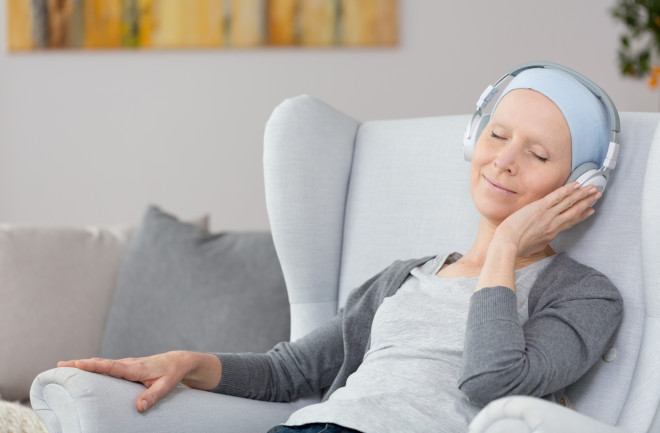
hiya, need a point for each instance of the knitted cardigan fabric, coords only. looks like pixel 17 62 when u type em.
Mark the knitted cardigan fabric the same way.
pixel 574 312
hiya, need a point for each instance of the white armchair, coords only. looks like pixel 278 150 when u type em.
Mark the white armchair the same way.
pixel 348 198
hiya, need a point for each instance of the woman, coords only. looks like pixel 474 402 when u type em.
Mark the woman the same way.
pixel 423 345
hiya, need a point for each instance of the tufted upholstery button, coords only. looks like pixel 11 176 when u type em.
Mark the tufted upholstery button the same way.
pixel 610 355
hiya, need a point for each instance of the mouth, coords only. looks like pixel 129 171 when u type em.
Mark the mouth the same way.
pixel 498 188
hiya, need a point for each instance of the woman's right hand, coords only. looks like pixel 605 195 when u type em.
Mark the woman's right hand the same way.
pixel 159 373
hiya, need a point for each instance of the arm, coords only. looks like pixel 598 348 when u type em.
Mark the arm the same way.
pixel 287 371
pixel 558 344
pixel 284 373
pixel 73 400
pixel 562 339
pixel 323 358
pixel 159 373
pixel 530 230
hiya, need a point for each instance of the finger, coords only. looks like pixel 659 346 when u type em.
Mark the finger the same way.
pixel 66 363
pixel 586 213
pixel 110 367
pixel 560 193
pixel 555 202
pixel 578 212
pixel 576 204
pixel 151 395
pixel 573 197
pixel 87 365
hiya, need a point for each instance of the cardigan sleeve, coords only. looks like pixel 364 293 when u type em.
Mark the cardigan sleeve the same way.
pixel 288 370
pixel 321 359
pixel 564 337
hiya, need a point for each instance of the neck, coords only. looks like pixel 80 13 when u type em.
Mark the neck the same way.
pixel 476 255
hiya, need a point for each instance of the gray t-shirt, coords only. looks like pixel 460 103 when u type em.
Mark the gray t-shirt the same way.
pixel 408 380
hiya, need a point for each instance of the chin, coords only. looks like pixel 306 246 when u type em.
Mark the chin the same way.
pixel 497 212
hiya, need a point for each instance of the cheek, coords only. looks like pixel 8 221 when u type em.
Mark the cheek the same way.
pixel 540 186
pixel 475 174
pixel 480 157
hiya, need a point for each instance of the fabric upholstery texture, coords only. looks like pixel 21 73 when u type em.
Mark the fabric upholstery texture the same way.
pixel 644 399
pixel 182 288
pixel 610 241
pixel 61 277
pixel 307 163
pixel 75 401
pixel 522 414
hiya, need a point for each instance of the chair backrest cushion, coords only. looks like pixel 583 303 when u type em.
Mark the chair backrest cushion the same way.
pixel 409 196
pixel 641 411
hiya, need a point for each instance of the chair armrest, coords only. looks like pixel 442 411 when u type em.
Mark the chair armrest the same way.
pixel 74 401
pixel 528 414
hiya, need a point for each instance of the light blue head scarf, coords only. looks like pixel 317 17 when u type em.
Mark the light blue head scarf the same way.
pixel 586 116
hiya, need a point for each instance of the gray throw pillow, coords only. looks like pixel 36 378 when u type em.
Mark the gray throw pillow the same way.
pixel 182 288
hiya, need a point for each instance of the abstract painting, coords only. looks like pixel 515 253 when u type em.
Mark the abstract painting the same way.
pixel 35 25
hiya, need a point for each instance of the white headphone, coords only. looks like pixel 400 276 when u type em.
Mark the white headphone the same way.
pixel 586 174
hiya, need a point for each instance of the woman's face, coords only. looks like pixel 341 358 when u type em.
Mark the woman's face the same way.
pixel 523 154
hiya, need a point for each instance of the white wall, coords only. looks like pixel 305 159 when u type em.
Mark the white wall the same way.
pixel 93 137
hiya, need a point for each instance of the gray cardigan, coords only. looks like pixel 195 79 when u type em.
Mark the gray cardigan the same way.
pixel 574 312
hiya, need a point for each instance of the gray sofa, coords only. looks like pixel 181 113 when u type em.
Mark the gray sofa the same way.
pixel 345 199
pixel 71 293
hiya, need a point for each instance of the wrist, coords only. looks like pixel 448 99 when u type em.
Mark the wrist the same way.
pixel 499 267
pixel 203 370
pixel 503 246
pixel 185 362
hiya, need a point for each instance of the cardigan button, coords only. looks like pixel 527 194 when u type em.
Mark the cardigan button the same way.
pixel 610 355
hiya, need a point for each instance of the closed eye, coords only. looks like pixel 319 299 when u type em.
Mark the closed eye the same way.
pixel 540 158
pixel 492 134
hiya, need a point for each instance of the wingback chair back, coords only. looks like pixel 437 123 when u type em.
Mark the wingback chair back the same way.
pixel 346 198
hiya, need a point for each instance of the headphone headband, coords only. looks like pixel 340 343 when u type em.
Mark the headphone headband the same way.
pixel 479 120
pixel 615 124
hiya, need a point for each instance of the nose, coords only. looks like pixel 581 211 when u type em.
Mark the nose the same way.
pixel 507 158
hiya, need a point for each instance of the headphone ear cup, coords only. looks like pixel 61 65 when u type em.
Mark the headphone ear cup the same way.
pixel 588 174
pixel 580 170
pixel 474 132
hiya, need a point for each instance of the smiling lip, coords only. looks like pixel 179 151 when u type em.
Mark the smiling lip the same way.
pixel 491 184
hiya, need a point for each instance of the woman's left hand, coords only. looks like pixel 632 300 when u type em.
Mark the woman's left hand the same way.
pixel 533 226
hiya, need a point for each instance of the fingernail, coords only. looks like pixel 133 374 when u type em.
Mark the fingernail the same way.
pixel 591 211
pixel 599 195
pixel 145 405
pixel 576 186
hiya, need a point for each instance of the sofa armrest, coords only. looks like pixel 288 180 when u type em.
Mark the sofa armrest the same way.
pixel 70 400
pixel 528 414
pixel 56 286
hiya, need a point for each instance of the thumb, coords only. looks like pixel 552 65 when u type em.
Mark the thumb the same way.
pixel 151 395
